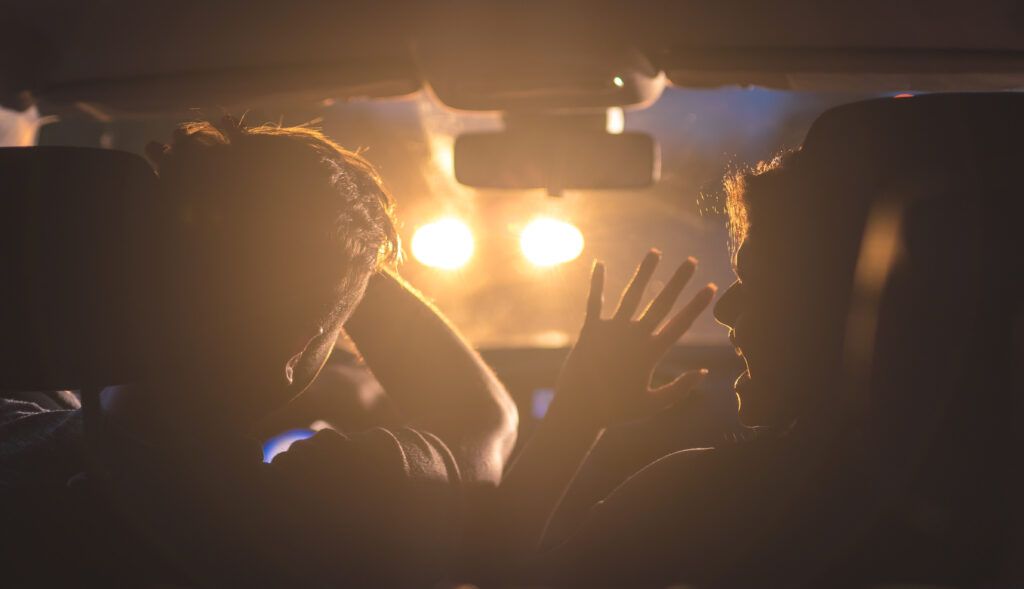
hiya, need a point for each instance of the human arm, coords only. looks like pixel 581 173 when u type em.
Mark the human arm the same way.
pixel 435 379
pixel 684 518
pixel 604 380
pixel 703 419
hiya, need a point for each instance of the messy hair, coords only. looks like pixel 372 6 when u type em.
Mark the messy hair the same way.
pixel 744 191
pixel 268 204
pixel 365 207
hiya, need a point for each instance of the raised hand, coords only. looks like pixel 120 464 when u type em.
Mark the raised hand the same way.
pixel 606 378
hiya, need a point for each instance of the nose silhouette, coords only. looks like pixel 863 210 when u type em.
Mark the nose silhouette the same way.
pixel 727 308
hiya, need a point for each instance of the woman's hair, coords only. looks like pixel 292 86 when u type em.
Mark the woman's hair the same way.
pixel 738 197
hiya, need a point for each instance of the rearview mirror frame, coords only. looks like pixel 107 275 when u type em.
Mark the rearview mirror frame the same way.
pixel 583 160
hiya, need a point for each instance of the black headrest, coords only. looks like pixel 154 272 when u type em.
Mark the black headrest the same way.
pixel 883 139
pixel 928 186
pixel 952 158
pixel 931 343
pixel 73 265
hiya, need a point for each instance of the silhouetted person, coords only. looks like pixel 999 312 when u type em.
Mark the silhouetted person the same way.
pixel 878 309
pixel 268 243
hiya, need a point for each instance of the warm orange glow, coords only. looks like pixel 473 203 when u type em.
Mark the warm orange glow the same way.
pixel 547 242
pixel 445 244
pixel 903 96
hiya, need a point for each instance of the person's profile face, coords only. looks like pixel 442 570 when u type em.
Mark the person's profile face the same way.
pixel 738 309
pixel 771 325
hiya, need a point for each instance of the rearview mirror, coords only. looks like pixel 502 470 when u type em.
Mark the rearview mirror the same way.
pixel 556 161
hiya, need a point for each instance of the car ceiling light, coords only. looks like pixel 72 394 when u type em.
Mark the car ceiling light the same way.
pixel 547 242
pixel 615 120
pixel 445 244
pixel 618 81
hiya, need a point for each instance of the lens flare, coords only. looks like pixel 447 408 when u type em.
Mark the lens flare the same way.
pixel 547 242
pixel 445 244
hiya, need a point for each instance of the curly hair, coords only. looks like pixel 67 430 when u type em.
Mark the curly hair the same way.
pixel 278 214
pixel 814 211
pixel 744 190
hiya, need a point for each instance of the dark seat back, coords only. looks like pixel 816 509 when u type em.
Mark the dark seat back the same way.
pixel 934 330
pixel 74 262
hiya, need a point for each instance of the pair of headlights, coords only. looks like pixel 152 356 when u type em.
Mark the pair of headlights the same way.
pixel 448 243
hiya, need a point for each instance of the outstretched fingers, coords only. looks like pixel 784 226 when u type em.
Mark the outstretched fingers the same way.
pixel 595 300
pixel 662 304
pixel 677 326
pixel 631 297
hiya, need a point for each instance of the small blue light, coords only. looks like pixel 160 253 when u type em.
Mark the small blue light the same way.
pixel 541 401
pixel 282 441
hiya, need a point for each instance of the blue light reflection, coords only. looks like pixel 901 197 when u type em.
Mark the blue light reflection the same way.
pixel 282 441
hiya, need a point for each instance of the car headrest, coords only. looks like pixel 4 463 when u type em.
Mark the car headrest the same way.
pixel 933 179
pixel 933 331
pixel 885 139
pixel 74 264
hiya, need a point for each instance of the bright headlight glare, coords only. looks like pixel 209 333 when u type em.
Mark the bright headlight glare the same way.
pixel 445 244
pixel 547 242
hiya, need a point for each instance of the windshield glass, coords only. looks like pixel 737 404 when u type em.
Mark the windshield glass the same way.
pixel 498 297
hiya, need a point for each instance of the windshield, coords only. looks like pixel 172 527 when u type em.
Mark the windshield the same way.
pixel 497 297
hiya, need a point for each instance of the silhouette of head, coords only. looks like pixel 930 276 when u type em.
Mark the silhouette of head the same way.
pixel 793 257
pixel 275 231
pixel 799 223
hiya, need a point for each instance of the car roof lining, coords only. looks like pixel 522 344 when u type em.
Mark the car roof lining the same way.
pixel 191 53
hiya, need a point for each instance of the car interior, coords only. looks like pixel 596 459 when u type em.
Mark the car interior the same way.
pixel 522 141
